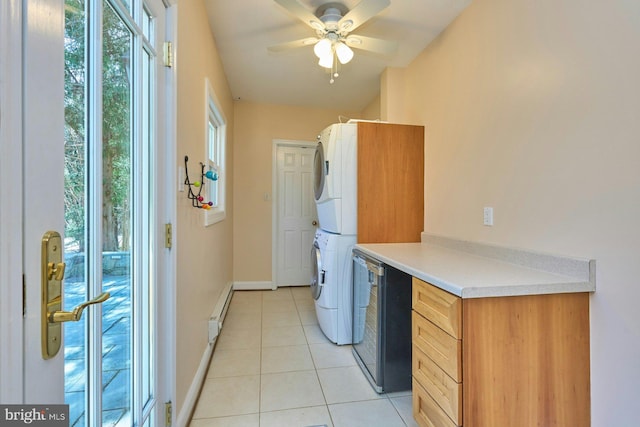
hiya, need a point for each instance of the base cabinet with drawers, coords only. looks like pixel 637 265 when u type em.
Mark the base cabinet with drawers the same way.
pixel 500 361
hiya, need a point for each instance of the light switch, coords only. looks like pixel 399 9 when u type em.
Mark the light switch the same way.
pixel 488 216
pixel 181 177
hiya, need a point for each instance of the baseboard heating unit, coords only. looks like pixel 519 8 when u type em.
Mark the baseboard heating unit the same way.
pixel 219 312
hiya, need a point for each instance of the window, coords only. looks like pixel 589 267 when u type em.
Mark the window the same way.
pixel 215 141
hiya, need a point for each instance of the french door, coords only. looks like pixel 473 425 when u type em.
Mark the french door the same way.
pixel 92 143
pixel 112 133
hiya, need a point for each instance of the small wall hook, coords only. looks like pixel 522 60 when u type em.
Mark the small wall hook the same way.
pixel 197 200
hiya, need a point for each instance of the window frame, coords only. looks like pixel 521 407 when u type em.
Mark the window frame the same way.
pixel 216 161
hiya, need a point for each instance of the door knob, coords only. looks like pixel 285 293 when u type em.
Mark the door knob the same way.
pixel 314 222
pixel 76 313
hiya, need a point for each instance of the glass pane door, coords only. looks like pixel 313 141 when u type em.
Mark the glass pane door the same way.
pixel 110 116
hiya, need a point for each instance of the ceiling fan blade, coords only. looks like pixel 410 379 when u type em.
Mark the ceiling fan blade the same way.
pixel 360 14
pixel 371 44
pixel 302 13
pixel 309 41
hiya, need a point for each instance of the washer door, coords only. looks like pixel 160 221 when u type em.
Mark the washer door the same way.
pixel 316 271
pixel 319 171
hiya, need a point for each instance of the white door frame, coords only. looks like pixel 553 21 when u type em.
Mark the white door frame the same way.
pixel 274 200
pixel 167 296
pixel 11 327
pixel 43 167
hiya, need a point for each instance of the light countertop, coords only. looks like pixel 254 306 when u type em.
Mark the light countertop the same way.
pixel 474 270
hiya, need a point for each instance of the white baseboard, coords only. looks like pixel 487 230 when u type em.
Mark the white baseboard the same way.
pixel 253 286
pixel 191 399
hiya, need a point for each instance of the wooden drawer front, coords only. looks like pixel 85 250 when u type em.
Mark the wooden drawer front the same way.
pixel 440 307
pixel 439 346
pixel 441 387
pixel 426 411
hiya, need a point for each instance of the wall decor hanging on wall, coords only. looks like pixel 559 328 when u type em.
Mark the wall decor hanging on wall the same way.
pixel 197 200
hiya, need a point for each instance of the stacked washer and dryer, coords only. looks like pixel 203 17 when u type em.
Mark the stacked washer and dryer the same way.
pixel 390 192
pixel 335 188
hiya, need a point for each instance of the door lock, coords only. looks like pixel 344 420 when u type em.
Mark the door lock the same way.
pixel 55 270
pixel 52 315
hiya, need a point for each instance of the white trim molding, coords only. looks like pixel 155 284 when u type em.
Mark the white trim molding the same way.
pixel 191 399
pixel 11 323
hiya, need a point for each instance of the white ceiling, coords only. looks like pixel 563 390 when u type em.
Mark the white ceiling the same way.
pixel 244 29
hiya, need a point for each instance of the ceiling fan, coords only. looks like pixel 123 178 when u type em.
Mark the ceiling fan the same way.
pixel 333 23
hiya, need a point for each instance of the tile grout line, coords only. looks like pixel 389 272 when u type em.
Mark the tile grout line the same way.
pixel 309 335
pixel 324 396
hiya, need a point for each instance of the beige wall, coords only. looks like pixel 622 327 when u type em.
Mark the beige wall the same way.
pixel 204 254
pixel 372 111
pixel 533 108
pixel 257 126
pixel 393 107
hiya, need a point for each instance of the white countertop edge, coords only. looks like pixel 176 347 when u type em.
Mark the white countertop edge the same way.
pixel 534 289
pixel 581 268
pixel 570 285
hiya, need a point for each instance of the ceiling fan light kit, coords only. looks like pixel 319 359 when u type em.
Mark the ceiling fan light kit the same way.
pixel 323 48
pixel 332 23
pixel 344 52
pixel 326 61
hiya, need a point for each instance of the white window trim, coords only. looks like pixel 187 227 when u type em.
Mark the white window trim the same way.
pixel 212 109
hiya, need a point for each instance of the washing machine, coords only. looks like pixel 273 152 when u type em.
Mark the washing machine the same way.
pixel 335 175
pixel 331 284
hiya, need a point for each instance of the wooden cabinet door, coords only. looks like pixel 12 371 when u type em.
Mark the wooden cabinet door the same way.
pixel 526 361
pixel 390 183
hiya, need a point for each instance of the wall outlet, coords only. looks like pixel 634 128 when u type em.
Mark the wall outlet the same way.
pixel 488 216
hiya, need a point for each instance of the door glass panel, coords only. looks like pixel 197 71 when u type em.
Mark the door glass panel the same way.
pixel 117 233
pixel 117 212
pixel 75 284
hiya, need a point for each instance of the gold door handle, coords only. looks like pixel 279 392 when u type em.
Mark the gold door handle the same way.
pixel 52 316
pixel 314 222
pixel 76 313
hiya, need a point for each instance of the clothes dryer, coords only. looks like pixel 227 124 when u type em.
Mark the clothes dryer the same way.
pixel 331 284
pixel 334 172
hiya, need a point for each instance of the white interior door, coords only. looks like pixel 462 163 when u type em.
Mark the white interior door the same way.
pixel 296 214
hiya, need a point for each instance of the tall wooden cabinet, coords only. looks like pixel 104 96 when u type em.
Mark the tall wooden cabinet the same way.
pixel 500 361
pixel 390 182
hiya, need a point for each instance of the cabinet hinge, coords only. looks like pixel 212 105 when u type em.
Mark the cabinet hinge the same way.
pixel 168 413
pixel 167 50
pixel 168 235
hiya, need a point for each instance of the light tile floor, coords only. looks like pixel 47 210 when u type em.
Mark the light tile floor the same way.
pixel 273 367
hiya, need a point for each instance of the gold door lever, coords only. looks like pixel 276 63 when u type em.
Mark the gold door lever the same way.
pixel 76 313
pixel 52 276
